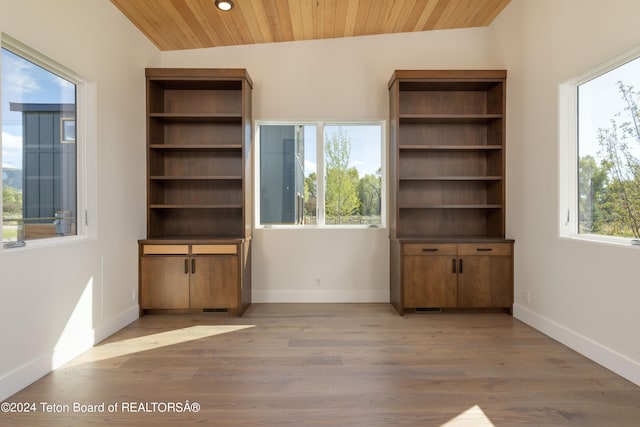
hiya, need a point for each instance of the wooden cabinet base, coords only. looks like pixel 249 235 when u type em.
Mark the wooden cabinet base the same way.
pixel 195 276
pixel 432 277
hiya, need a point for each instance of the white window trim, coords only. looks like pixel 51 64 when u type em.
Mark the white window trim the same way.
pixel 86 125
pixel 320 211
pixel 568 154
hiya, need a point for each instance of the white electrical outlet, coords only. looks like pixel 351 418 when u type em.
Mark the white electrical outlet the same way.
pixel 133 294
pixel 527 296
pixel 318 282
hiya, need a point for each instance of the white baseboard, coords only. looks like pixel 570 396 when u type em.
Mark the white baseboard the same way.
pixel 111 326
pixel 324 296
pixel 23 375
pixel 610 359
pixel 33 370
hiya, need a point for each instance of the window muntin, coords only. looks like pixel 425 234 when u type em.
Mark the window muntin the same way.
pixel 608 153
pixel 348 158
pixel 39 149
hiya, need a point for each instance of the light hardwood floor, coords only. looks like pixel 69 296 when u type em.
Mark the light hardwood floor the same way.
pixel 333 365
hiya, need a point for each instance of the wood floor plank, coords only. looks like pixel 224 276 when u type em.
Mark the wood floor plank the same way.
pixel 332 365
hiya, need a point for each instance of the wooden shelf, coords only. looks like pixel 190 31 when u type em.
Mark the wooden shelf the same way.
pixel 198 194
pixel 450 178
pixel 447 169
pixel 191 117
pixel 196 147
pixel 450 206
pixel 453 239
pixel 195 178
pixel 448 118
pixel 198 131
pixel 423 147
pixel 185 206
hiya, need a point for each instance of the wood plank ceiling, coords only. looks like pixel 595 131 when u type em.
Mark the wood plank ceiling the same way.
pixel 192 24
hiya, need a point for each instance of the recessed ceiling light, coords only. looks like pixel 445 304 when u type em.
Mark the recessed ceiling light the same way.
pixel 224 4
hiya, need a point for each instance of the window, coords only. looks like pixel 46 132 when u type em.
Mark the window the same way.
pixel 40 174
pixel 348 158
pixel 604 202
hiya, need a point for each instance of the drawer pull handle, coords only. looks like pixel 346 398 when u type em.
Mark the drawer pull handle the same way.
pixel 453 265
pixel 429 249
pixel 484 249
pixel 460 268
pixel 193 266
pixel 186 266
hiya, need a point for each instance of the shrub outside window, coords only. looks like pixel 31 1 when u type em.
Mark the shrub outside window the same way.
pixel 608 151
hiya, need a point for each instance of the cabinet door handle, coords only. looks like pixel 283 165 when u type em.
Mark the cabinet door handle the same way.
pixel 460 268
pixel 193 265
pixel 186 266
pixel 453 265
pixel 484 249
pixel 429 249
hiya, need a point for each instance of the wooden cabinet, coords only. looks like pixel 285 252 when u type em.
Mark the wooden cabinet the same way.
pixel 462 275
pixel 191 276
pixel 198 186
pixel 429 273
pixel 485 275
pixel 447 188
pixel 164 282
pixel 213 281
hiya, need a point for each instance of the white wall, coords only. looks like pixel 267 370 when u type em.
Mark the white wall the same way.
pixel 340 79
pixel 55 302
pixel 583 294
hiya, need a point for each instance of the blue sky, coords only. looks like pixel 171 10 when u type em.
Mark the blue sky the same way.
pixel 366 147
pixel 23 81
pixel 599 102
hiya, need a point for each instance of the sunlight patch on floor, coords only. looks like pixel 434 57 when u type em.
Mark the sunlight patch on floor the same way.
pixel 149 342
pixel 473 416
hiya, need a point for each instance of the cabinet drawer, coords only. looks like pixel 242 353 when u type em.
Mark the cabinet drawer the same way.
pixel 467 249
pixel 214 249
pixel 429 249
pixel 165 250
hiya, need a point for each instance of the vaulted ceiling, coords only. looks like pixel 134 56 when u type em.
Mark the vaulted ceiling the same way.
pixel 192 24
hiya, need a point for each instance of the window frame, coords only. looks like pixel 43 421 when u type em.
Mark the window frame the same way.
pixel 568 130
pixel 320 174
pixel 84 128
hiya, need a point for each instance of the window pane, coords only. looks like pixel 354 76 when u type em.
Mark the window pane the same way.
pixel 609 153
pixel 38 151
pixel 353 174
pixel 287 174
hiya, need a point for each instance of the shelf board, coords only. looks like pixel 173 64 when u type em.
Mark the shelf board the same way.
pixel 198 239
pixel 196 178
pixel 452 239
pixel 417 147
pixel 451 178
pixel 191 206
pixel 196 147
pixel 448 118
pixel 474 206
pixel 197 117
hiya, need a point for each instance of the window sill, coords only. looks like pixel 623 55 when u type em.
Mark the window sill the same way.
pixel 45 243
pixel 606 240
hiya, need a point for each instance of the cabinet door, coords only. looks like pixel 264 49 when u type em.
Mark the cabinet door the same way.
pixel 485 276
pixel 214 281
pixel 164 282
pixel 429 275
